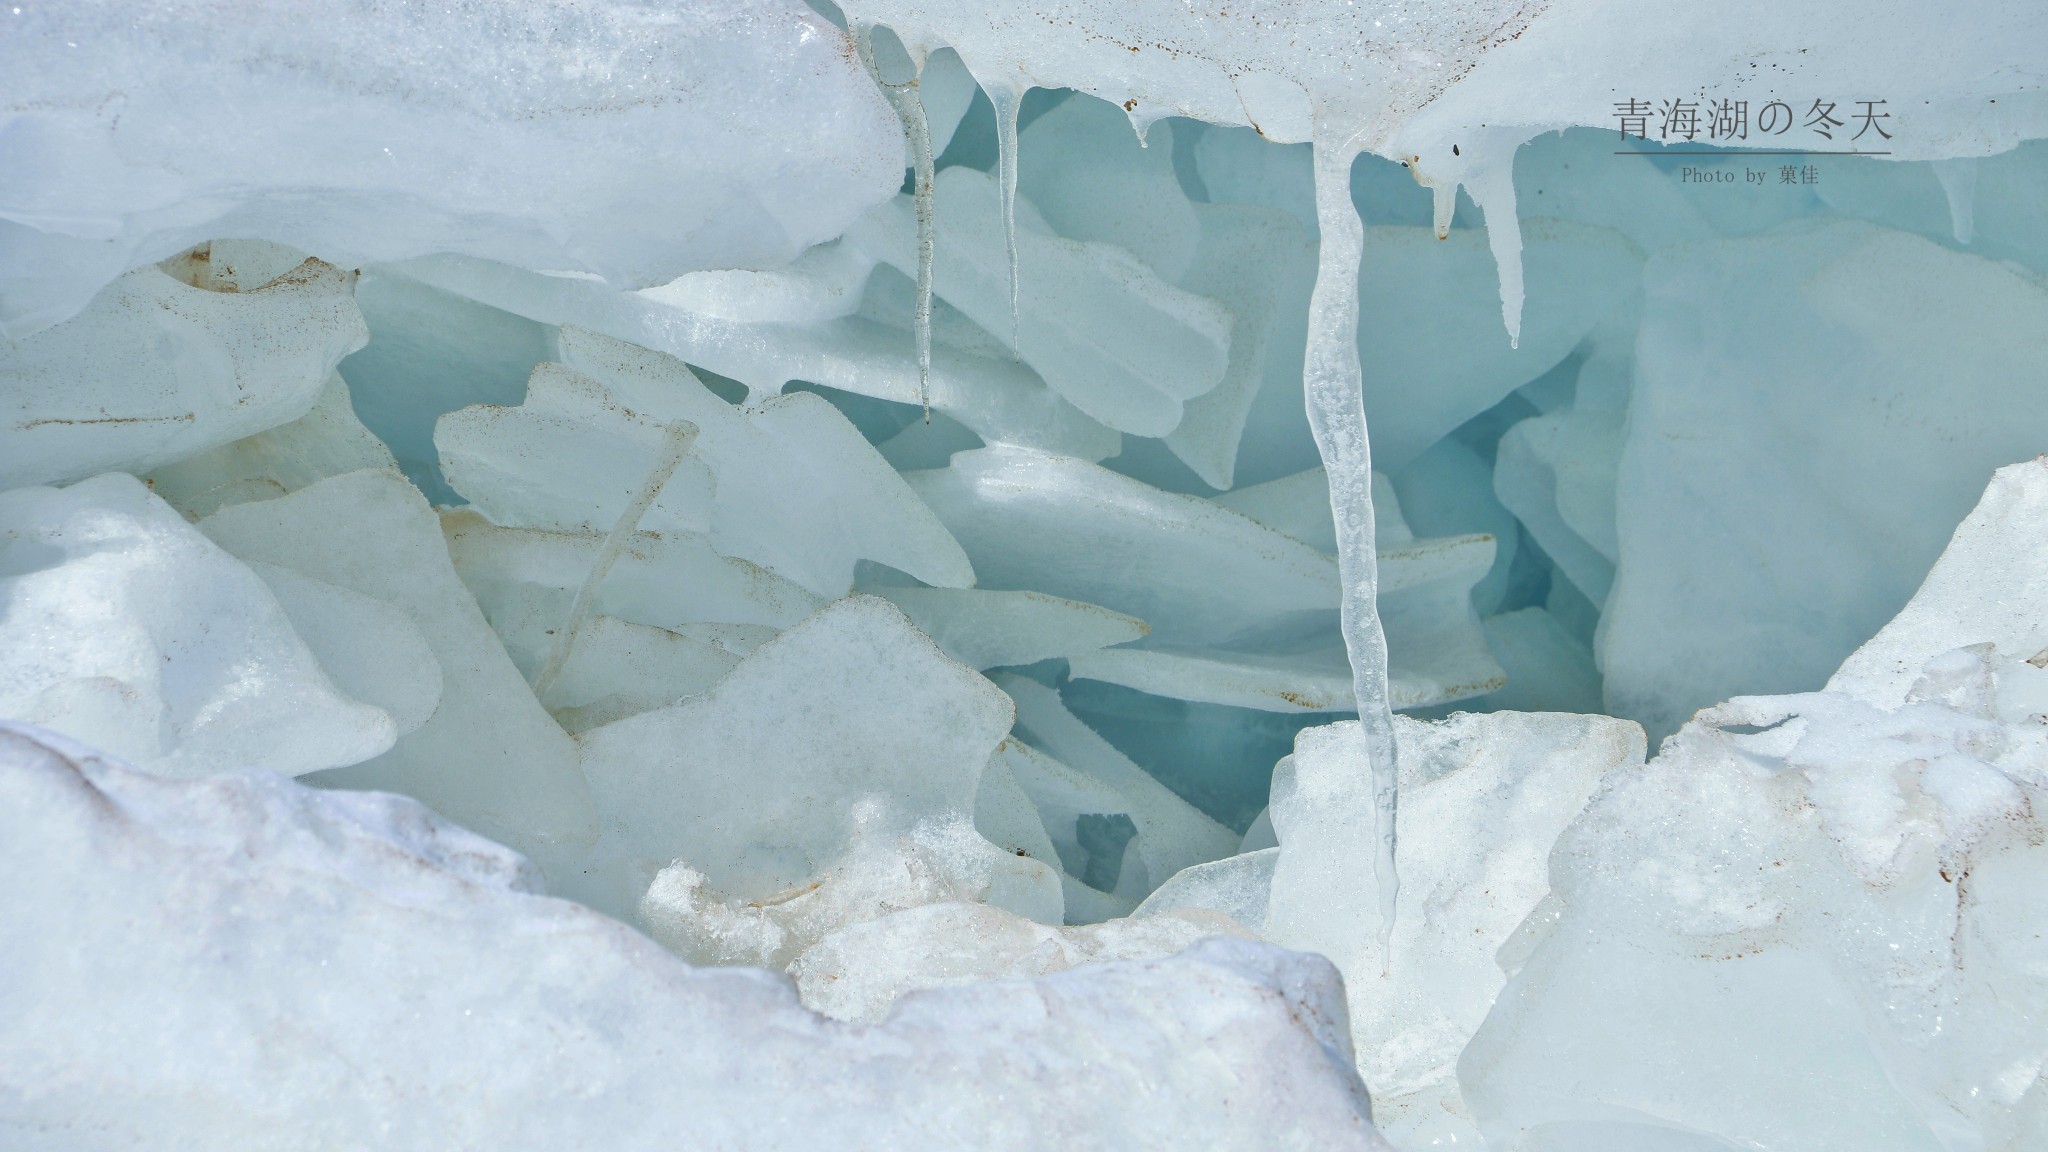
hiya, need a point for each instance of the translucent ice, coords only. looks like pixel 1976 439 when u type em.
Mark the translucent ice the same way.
pixel 753 784
pixel 361 134
pixel 1483 799
pixel 326 441
pixel 787 484
pixel 1807 533
pixel 442 1002
pixel 1828 881
pixel 124 626
pixel 858 972
pixel 490 756
pixel 157 370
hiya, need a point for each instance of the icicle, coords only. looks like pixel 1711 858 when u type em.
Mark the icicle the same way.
pixel 1336 414
pixel 1493 189
pixel 909 105
pixel 674 446
pixel 1007 101
pixel 1959 182
pixel 1446 199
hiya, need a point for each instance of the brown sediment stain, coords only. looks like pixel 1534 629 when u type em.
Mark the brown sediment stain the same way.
pixel 187 418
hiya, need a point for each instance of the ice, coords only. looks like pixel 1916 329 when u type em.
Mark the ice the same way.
pixel 1525 477
pixel 1104 330
pixel 788 484
pixel 1005 814
pixel 1820 881
pixel 1171 833
pixel 1483 799
pixel 1449 491
pixel 435 1001
pixel 158 369
pixel 1548 669
pixel 1432 338
pixel 1236 886
pixel 859 972
pixel 755 783
pixel 620 669
pixel 1985 588
pixel 676 442
pixel 831 318
pixel 1807 533
pixel 327 441
pixel 1082 168
pixel 1062 796
pixel 984 629
pixel 1195 572
pixel 615 139
pixel 1257 263
pixel 124 626
pixel 490 757
pixel 525 579
pixel 881 874
pixel 370 648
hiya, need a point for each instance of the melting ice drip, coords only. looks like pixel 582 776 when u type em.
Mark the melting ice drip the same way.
pixel 1331 383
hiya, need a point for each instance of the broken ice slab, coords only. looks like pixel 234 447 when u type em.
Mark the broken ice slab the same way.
pixel 156 370
pixel 1813 511
pixel 1430 328
pixel 1198 573
pixel 310 126
pixel 985 629
pixel 525 580
pixel 788 484
pixel 126 627
pixel 1483 799
pixel 858 972
pixel 1005 813
pixel 1987 587
pixel 815 321
pixel 416 964
pixel 326 441
pixel 1526 478
pixel 754 784
pixel 1260 264
pixel 883 870
pixel 1171 833
pixel 1845 880
pixel 1102 329
pixel 1236 886
pixel 490 756
pixel 1061 797
pixel 620 669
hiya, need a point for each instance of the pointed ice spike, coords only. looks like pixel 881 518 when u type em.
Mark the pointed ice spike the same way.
pixel 1007 101
pixel 1336 414
pixel 1493 189
pixel 1959 183
pixel 674 446
pixel 909 105
pixel 1446 203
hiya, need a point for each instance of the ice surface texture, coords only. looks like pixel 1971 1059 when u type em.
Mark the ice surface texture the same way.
pixel 434 1000
pixel 378 132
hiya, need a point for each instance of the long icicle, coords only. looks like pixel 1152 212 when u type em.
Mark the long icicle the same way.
pixel 1007 102
pixel 1331 377
pixel 675 444
pixel 908 102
